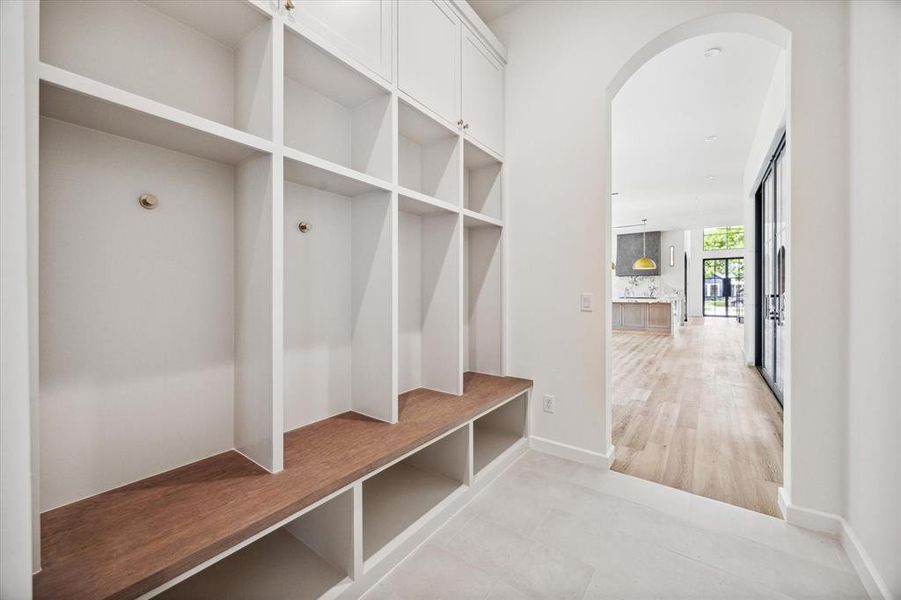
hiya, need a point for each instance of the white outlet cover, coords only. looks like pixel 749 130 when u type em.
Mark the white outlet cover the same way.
pixel 548 403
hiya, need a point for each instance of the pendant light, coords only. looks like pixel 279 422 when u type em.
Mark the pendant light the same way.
pixel 645 263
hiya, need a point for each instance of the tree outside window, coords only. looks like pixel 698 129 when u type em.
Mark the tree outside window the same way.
pixel 724 238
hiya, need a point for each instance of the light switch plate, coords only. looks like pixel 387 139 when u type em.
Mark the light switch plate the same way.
pixel 587 302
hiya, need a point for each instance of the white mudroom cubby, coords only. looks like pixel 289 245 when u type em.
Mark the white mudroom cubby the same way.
pixel 481 181
pixel 429 155
pixel 209 59
pixel 483 293
pixel 192 339
pixel 338 303
pixel 141 308
pixel 498 431
pixel 398 498
pixel 310 557
pixel 429 298
pixel 334 112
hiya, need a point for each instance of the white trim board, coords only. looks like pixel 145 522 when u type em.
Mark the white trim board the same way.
pixel 832 524
pixel 580 455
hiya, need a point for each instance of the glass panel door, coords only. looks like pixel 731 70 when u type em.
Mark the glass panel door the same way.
pixel 724 283
pixel 779 244
pixel 773 244
pixel 714 300
pixel 735 271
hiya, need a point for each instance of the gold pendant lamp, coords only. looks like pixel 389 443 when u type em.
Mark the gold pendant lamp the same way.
pixel 645 263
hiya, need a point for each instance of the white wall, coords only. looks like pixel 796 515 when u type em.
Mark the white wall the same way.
pixel 15 420
pixel 874 400
pixel 557 146
pixel 317 306
pixel 107 419
pixel 672 276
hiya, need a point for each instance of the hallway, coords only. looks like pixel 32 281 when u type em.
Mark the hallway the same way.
pixel 688 413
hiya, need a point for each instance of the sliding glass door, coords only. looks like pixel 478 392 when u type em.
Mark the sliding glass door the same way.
pixel 724 284
pixel 772 244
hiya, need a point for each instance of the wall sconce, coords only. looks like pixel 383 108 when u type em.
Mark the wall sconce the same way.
pixel 672 256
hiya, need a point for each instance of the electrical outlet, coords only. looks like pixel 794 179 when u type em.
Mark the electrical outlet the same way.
pixel 548 403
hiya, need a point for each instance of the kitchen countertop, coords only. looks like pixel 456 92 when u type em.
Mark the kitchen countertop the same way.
pixel 646 300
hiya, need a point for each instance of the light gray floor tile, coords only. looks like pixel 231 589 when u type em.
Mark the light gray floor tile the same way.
pixel 432 573
pixel 488 545
pixel 549 528
pixel 544 572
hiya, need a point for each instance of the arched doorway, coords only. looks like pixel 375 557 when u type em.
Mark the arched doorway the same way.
pixel 738 23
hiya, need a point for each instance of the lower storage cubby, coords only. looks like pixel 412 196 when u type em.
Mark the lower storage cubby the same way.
pixel 310 557
pixel 497 431
pixel 399 498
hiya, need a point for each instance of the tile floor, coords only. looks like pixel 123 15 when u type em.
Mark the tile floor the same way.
pixel 551 528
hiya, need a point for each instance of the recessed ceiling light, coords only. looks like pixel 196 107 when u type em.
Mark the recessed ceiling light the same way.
pixel 711 138
pixel 709 178
pixel 711 52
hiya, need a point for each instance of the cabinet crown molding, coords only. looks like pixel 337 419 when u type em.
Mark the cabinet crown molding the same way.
pixel 478 27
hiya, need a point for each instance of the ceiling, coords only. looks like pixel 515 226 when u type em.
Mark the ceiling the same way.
pixel 490 10
pixel 661 118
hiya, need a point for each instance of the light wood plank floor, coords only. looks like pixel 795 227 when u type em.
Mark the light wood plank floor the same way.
pixel 688 413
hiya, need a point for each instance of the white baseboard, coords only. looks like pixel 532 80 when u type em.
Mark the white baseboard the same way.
pixel 837 526
pixel 587 457
pixel 808 518
pixel 875 585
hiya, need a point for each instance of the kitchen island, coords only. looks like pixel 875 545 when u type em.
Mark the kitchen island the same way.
pixel 653 315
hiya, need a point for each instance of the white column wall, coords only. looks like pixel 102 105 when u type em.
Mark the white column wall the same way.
pixel 874 327
pixel 557 146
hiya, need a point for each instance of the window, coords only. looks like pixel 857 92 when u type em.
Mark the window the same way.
pixel 724 238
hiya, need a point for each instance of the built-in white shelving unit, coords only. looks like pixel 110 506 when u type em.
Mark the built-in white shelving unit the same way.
pixel 247 226
pixel 497 432
pixel 398 497
pixel 311 556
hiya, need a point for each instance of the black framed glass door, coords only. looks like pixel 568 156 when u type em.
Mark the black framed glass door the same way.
pixel 771 263
pixel 724 284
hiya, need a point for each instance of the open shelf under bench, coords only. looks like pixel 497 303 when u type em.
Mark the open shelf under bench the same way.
pixel 132 539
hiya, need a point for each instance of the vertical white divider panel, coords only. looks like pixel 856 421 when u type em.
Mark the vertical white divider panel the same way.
pixel 259 285
pixel 329 530
pixel 357 571
pixel 255 343
pixel 32 174
pixel 505 270
pixel 372 329
pixel 395 277
pixel 277 85
pixel 442 311
pixel 470 456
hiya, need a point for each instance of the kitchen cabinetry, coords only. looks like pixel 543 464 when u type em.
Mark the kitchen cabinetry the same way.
pixel 656 316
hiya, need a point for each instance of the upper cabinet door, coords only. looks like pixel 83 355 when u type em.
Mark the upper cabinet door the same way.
pixel 428 56
pixel 483 94
pixel 360 29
